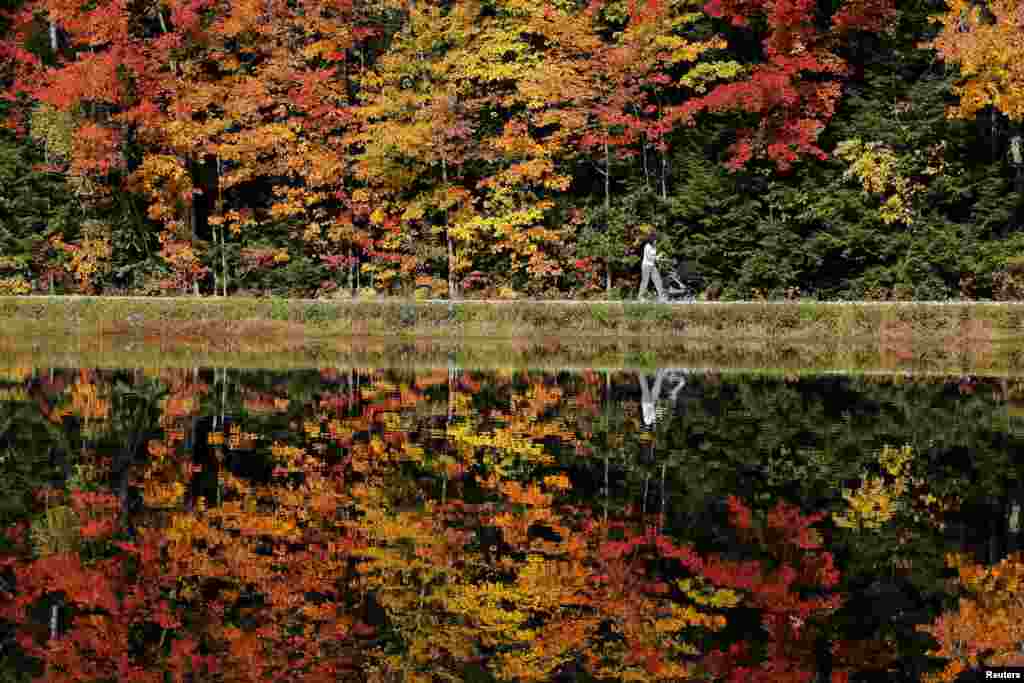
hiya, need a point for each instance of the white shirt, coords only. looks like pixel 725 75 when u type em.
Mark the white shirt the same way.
pixel 650 254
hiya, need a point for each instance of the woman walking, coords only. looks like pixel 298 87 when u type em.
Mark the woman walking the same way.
pixel 649 269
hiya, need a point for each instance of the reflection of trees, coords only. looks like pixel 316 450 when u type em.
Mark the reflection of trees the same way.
pixel 451 520
pixel 987 627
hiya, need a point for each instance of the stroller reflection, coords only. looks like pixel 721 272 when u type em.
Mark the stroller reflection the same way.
pixel 650 395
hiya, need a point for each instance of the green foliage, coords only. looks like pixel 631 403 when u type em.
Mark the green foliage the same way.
pixel 28 212
pixel 279 309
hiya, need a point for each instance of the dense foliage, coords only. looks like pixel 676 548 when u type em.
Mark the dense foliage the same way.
pixel 507 147
pixel 373 525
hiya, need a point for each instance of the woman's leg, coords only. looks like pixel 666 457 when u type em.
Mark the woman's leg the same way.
pixel 656 276
pixel 646 270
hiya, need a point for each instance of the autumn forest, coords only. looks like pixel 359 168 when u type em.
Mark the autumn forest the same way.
pixel 361 524
pixel 502 148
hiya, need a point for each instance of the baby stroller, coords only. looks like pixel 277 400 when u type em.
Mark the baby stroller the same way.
pixel 683 281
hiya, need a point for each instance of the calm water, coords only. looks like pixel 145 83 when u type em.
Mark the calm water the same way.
pixel 451 524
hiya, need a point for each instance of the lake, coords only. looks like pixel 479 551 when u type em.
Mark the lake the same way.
pixel 445 523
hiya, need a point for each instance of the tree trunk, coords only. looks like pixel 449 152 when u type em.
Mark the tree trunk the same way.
pixel 53 37
pixel 54 621
pixel 223 263
pixel 452 293
pixel 661 515
pixel 664 174
pixel 643 153
pixel 607 212
pixel 994 133
pixel 607 404
pixel 223 246
pixel 451 260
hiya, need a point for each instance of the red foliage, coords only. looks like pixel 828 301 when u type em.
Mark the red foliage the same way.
pixel 796 90
pixel 790 588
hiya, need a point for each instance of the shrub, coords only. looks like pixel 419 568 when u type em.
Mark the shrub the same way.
pixel 14 285
pixel 1008 282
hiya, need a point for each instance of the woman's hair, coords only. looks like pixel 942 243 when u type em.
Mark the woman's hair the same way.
pixel 651 238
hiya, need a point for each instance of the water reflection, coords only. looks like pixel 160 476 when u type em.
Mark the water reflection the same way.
pixel 650 395
pixel 394 525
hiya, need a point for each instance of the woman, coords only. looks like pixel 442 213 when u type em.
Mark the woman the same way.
pixel 649 268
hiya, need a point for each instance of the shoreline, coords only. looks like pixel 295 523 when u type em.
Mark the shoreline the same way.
pixel 707 320
pixel 985 338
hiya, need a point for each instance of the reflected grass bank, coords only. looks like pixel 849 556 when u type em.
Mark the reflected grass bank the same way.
pixel 263 351
pixel 787 337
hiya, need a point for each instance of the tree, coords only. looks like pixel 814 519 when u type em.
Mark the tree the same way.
pixel 794 92
pixel 985 628
pixel 982 39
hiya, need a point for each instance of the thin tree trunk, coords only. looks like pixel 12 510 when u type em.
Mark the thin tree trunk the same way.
pixel 448 424
pixel 223 246
pixel 448 237
pixel 643 507
pixel 54 621
pixel 607 403
pixel 451 260
pixel 53 36
pixel 661 517
pixel 607 176
pixel 993 132
pixel 223 263
pixel 607 211
pixel 664 174
pixel 218 238
pixel 163 27
pixel 643 153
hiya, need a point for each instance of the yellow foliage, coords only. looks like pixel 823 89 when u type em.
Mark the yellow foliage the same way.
pixel 983 39
pixel 55 128
pixel 56 531
pixel 877 499
pixel 157 494
pixel 877 168
pixel 14 284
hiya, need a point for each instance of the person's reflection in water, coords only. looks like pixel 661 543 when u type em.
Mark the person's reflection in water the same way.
pixel 653 413
pixel 649 395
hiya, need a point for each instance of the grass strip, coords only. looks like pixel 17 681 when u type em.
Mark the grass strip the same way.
pixel 790 320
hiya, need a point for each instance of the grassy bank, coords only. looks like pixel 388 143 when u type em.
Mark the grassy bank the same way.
pixel 981 337
pixel 791 321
